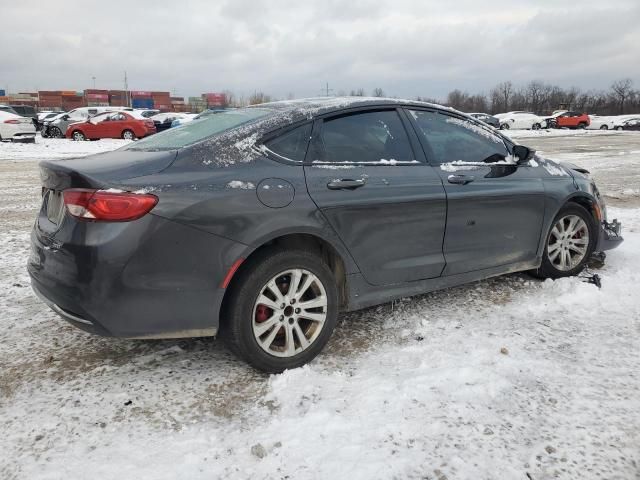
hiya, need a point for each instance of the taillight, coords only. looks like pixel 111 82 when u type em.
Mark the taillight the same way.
pixel 107 206
pixel 14 121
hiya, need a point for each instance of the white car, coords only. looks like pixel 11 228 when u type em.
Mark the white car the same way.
pixel 508 114
pixel 601 123
pixel 522 121
pixel 621 120
pixel 16 128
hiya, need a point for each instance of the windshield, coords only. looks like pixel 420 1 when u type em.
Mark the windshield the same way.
pixel 198 130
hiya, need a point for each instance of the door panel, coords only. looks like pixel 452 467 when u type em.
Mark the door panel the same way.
pixel 494 211
pixel 387 206
pixel 393 225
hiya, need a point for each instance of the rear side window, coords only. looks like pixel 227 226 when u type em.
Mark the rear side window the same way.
pixel 371 137
pixel 454 139
pixel 293 144
pixel 199 130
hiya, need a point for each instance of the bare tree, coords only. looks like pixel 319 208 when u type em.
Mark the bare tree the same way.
pixel 378 92
pixel 622 89
pixel 259 97
pixel 357 93
pixel 505 91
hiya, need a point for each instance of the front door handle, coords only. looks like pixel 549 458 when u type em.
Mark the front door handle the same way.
pixel 461 179
pixel 345 184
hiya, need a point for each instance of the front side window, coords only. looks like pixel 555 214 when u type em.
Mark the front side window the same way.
pixel 371 137
pixel 293 144
pixel 453 139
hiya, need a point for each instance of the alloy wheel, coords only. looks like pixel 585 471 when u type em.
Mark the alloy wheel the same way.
pixel 78 136
pixel 289 312
pixel 127 135
pixel 568 242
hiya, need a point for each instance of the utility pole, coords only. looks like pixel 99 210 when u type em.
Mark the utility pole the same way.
pixel 326 90
pixel 126 90
pixel 94 82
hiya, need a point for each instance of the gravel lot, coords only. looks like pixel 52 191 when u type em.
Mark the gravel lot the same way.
pixel 505 378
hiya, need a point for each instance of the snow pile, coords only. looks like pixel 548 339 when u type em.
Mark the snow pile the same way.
pixel 56 148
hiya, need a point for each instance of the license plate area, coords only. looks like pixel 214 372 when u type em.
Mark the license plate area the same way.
pixel 54 206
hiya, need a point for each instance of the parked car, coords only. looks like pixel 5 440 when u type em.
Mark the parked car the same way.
pixel 500 116
pixel 486 118
pixel 520 121
pixel 163 121
pixel 126 125
pixel 629 124
pixel 147 113
pixel 601 123
pixel 569 120
pixel 260 224
pixel 16 128
pixel 43 117
pixel 25 111
pixel 183 118
pixel 56 127
pixel 8 109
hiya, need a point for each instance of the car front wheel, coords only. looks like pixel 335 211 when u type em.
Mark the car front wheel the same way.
pixel 569 243
pixel 604 127
pixel 281 311
pixel 78 136
pixel 128 135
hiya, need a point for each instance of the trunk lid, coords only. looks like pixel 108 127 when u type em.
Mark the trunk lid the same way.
pixel 103 170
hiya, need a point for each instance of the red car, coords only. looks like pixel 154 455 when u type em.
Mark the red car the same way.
pixel 127 125
pixel 570 120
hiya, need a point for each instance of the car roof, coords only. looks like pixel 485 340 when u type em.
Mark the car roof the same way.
pixel 322 105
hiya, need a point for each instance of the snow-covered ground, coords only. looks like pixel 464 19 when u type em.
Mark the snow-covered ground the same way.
pixel 56 148
pixel 509 378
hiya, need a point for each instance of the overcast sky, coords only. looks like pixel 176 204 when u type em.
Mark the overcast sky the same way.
pixel 408 48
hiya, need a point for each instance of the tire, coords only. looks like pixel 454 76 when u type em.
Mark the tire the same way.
pixel 504 126
pixel 582 126
pixel 78 136
pixel 535 126
pixel 554 264
pixel 55 132
pixel 604 127
pixel 128 135
pixel 619 128
pixel 243 315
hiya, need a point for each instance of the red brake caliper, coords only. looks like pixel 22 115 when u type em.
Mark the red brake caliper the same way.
pixel 262 313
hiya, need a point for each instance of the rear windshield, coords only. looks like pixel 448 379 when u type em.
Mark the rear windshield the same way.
pixel 198 130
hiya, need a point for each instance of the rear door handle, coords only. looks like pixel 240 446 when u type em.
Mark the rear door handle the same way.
pixel 345 184
pixel 461 179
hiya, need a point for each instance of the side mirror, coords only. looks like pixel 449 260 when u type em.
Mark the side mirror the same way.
pixel 523 154
pixel 66 117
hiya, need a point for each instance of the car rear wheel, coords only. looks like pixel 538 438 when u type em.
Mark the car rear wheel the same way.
pixel 569 244
pixel 604 127
pixel 535 126
pixel 282 310
pixel 618 128
pixel 55 132
pixel 582 126
pixel 504 126
pixel 128 135
pixel 78 136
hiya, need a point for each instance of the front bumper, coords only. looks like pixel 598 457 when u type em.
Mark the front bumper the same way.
pixel 609 237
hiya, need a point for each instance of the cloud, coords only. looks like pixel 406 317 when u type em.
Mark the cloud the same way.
pixel 406 47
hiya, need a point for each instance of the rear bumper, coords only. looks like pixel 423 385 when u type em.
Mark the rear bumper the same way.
pixel 609 237
pixel 151 278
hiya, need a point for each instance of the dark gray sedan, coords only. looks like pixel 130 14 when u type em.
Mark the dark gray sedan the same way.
pixel 261 224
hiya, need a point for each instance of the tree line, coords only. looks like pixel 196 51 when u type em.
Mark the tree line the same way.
pixel 536 96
